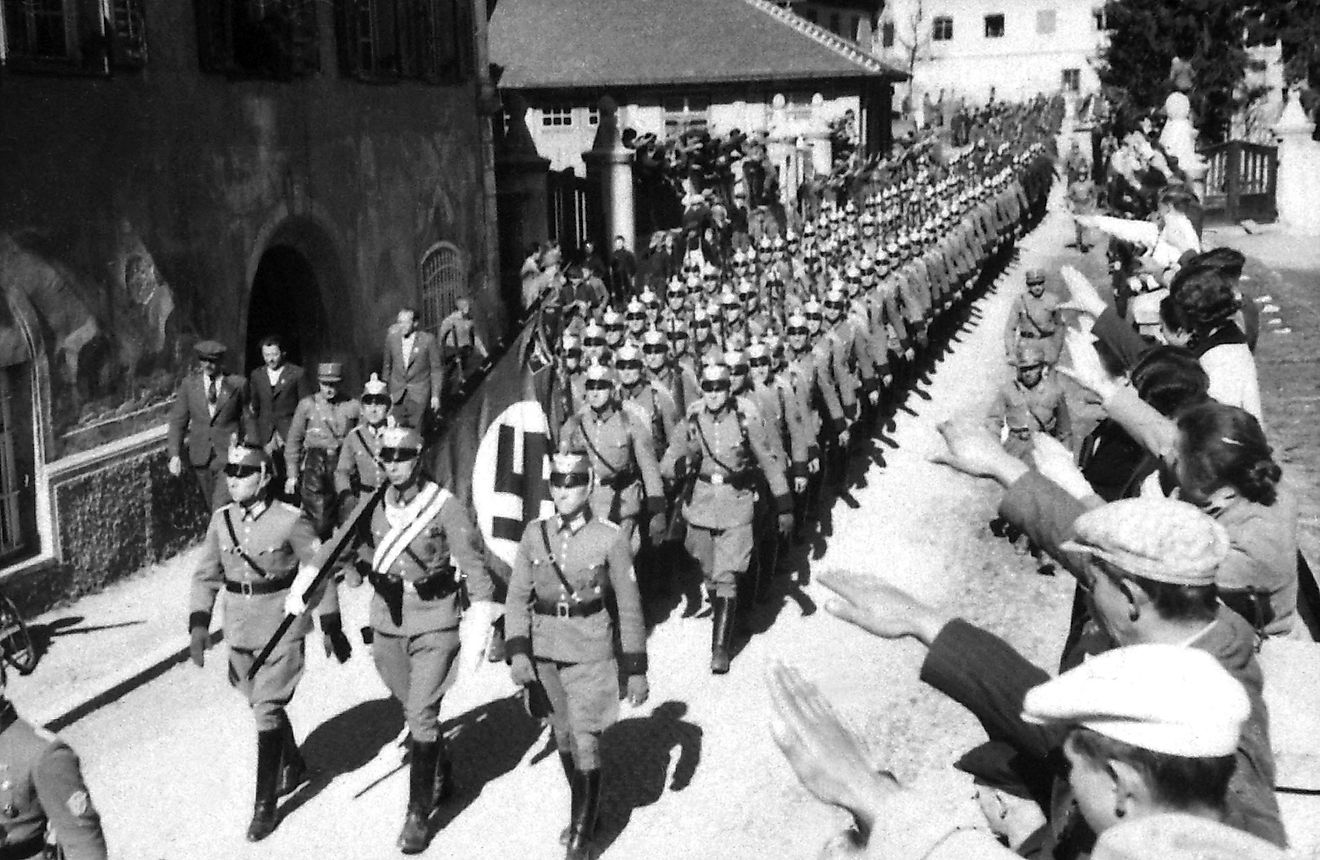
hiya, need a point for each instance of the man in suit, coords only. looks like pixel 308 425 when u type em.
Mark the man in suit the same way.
pixel 208 410
pixel 413 370
pixel 274 389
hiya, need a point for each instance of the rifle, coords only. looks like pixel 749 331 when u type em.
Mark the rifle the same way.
pixel 342 539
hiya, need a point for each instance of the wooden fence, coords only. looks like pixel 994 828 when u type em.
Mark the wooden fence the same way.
pixel 1241 181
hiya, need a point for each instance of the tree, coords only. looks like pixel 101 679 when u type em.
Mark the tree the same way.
pixel 1295 25
pixel 911 37
pixel 1146 35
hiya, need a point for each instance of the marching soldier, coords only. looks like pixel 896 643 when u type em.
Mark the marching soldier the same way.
pixel 407 553
pixel 571 372
pixel 1032 402
pixel 47 810
pixel 319 426
pixel 618 440
pixel 723 446
pixel 254 546
pixel 651 397
pixel 561 636
pixel 1035 317
pixel 359 471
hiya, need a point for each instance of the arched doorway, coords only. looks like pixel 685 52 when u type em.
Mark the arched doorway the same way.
pixel 286 300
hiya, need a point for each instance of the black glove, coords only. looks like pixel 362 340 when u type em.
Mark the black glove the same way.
pixel 197 645
pixel 333 638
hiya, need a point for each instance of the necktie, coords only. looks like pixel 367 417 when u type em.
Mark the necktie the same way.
pixel 212 391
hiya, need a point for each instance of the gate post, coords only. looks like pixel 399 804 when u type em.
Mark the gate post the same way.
pixel 1298 177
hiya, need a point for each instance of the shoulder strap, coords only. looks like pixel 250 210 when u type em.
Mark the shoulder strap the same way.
pixel 554 562
pixel 586 437
pixel 238 548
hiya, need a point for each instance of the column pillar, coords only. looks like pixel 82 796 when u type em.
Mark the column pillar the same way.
pixel 609 172
pixel 1298 181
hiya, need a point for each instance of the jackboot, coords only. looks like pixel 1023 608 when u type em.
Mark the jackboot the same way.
pixel 416 831
pixel 444 774
pixel 575 790
pixel 293 770
pixel 264 817
pixel 582 831
pixel 721 634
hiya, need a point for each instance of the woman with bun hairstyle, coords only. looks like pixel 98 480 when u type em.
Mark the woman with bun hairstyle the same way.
pixel 1215 456
pixel 1208 301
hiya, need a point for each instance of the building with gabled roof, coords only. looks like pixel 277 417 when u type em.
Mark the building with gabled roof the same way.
pixel 677 64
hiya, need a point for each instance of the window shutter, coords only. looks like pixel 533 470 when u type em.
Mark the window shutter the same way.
pixel 128 34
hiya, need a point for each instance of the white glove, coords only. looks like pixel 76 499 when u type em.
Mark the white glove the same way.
pixel 296 601
pixel 474 634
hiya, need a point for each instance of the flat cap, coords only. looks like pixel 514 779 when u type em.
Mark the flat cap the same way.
pixel 1169 699
pixel 330 371
pixel 212 350
pixel 1179 836
pixel 1161 539
pixel 1035 276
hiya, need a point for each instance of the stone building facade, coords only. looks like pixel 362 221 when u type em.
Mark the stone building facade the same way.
pixel 189 169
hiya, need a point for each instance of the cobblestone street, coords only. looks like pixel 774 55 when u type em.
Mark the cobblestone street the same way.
pixel 692 774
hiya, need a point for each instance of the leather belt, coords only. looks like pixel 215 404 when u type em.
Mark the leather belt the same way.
pixel 1035 335
pixel 736 480
pixel 433 587
pixel 257 586
pixel 620 480
pixel 569 608
pixel 27 850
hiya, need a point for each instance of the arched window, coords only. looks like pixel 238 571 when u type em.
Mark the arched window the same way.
pixel 444 280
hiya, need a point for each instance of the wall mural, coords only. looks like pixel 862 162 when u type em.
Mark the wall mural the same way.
pixel 111 338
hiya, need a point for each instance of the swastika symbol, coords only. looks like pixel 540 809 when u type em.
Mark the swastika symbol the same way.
pixel 527 483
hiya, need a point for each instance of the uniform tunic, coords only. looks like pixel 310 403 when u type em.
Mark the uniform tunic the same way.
pixel 276 537
pixel 41 785
pixel 359 468
pixel 311 454
pixel 726 449
pixel 1024 410
pixel 415 609
pixel 1035 320
pixel 618 441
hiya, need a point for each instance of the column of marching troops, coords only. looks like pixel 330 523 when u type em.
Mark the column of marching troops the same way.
pixel 707 422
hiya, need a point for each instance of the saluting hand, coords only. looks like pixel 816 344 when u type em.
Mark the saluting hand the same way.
pixel 880 608
pixel 521 670
pixel 974 450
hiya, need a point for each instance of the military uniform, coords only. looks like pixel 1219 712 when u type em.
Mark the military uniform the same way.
pixel 41 790
pixel 1020 411
pixel 1035 319
pixel 358 470
pixel 311 454
pixel 252 552
pixel 622 452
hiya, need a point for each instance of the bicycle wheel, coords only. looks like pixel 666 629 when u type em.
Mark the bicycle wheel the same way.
pixel 15 641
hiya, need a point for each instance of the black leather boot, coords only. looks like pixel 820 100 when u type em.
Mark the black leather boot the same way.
pixel 575 791
pixel 444 774
pixel 416 831
pixel 293 770
pixel 582 831
pixel 721 634
pixel 264 817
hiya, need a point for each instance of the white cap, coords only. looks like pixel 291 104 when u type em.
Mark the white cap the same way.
pixel 1164 698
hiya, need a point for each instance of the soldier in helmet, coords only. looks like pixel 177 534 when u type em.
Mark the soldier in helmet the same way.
pixel 723 446
pixel 358 472
pixel 47 810
pixel 253 548
pixel 595 345
pixel 568 567
pixel 407 551
pixel 1035 317
pixel 617 437
pixel 634 320
pixel 1032 402
pixel 649 395
pixel 320 424
pixel 572 372
pixel 613 323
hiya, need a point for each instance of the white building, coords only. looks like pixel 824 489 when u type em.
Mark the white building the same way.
pixel 1017 47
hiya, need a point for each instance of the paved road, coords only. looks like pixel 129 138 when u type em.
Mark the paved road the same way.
pixel 693 774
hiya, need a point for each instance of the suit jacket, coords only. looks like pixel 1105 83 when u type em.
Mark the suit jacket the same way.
pixel 208 436
pixel 271 408
pixel 421 378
